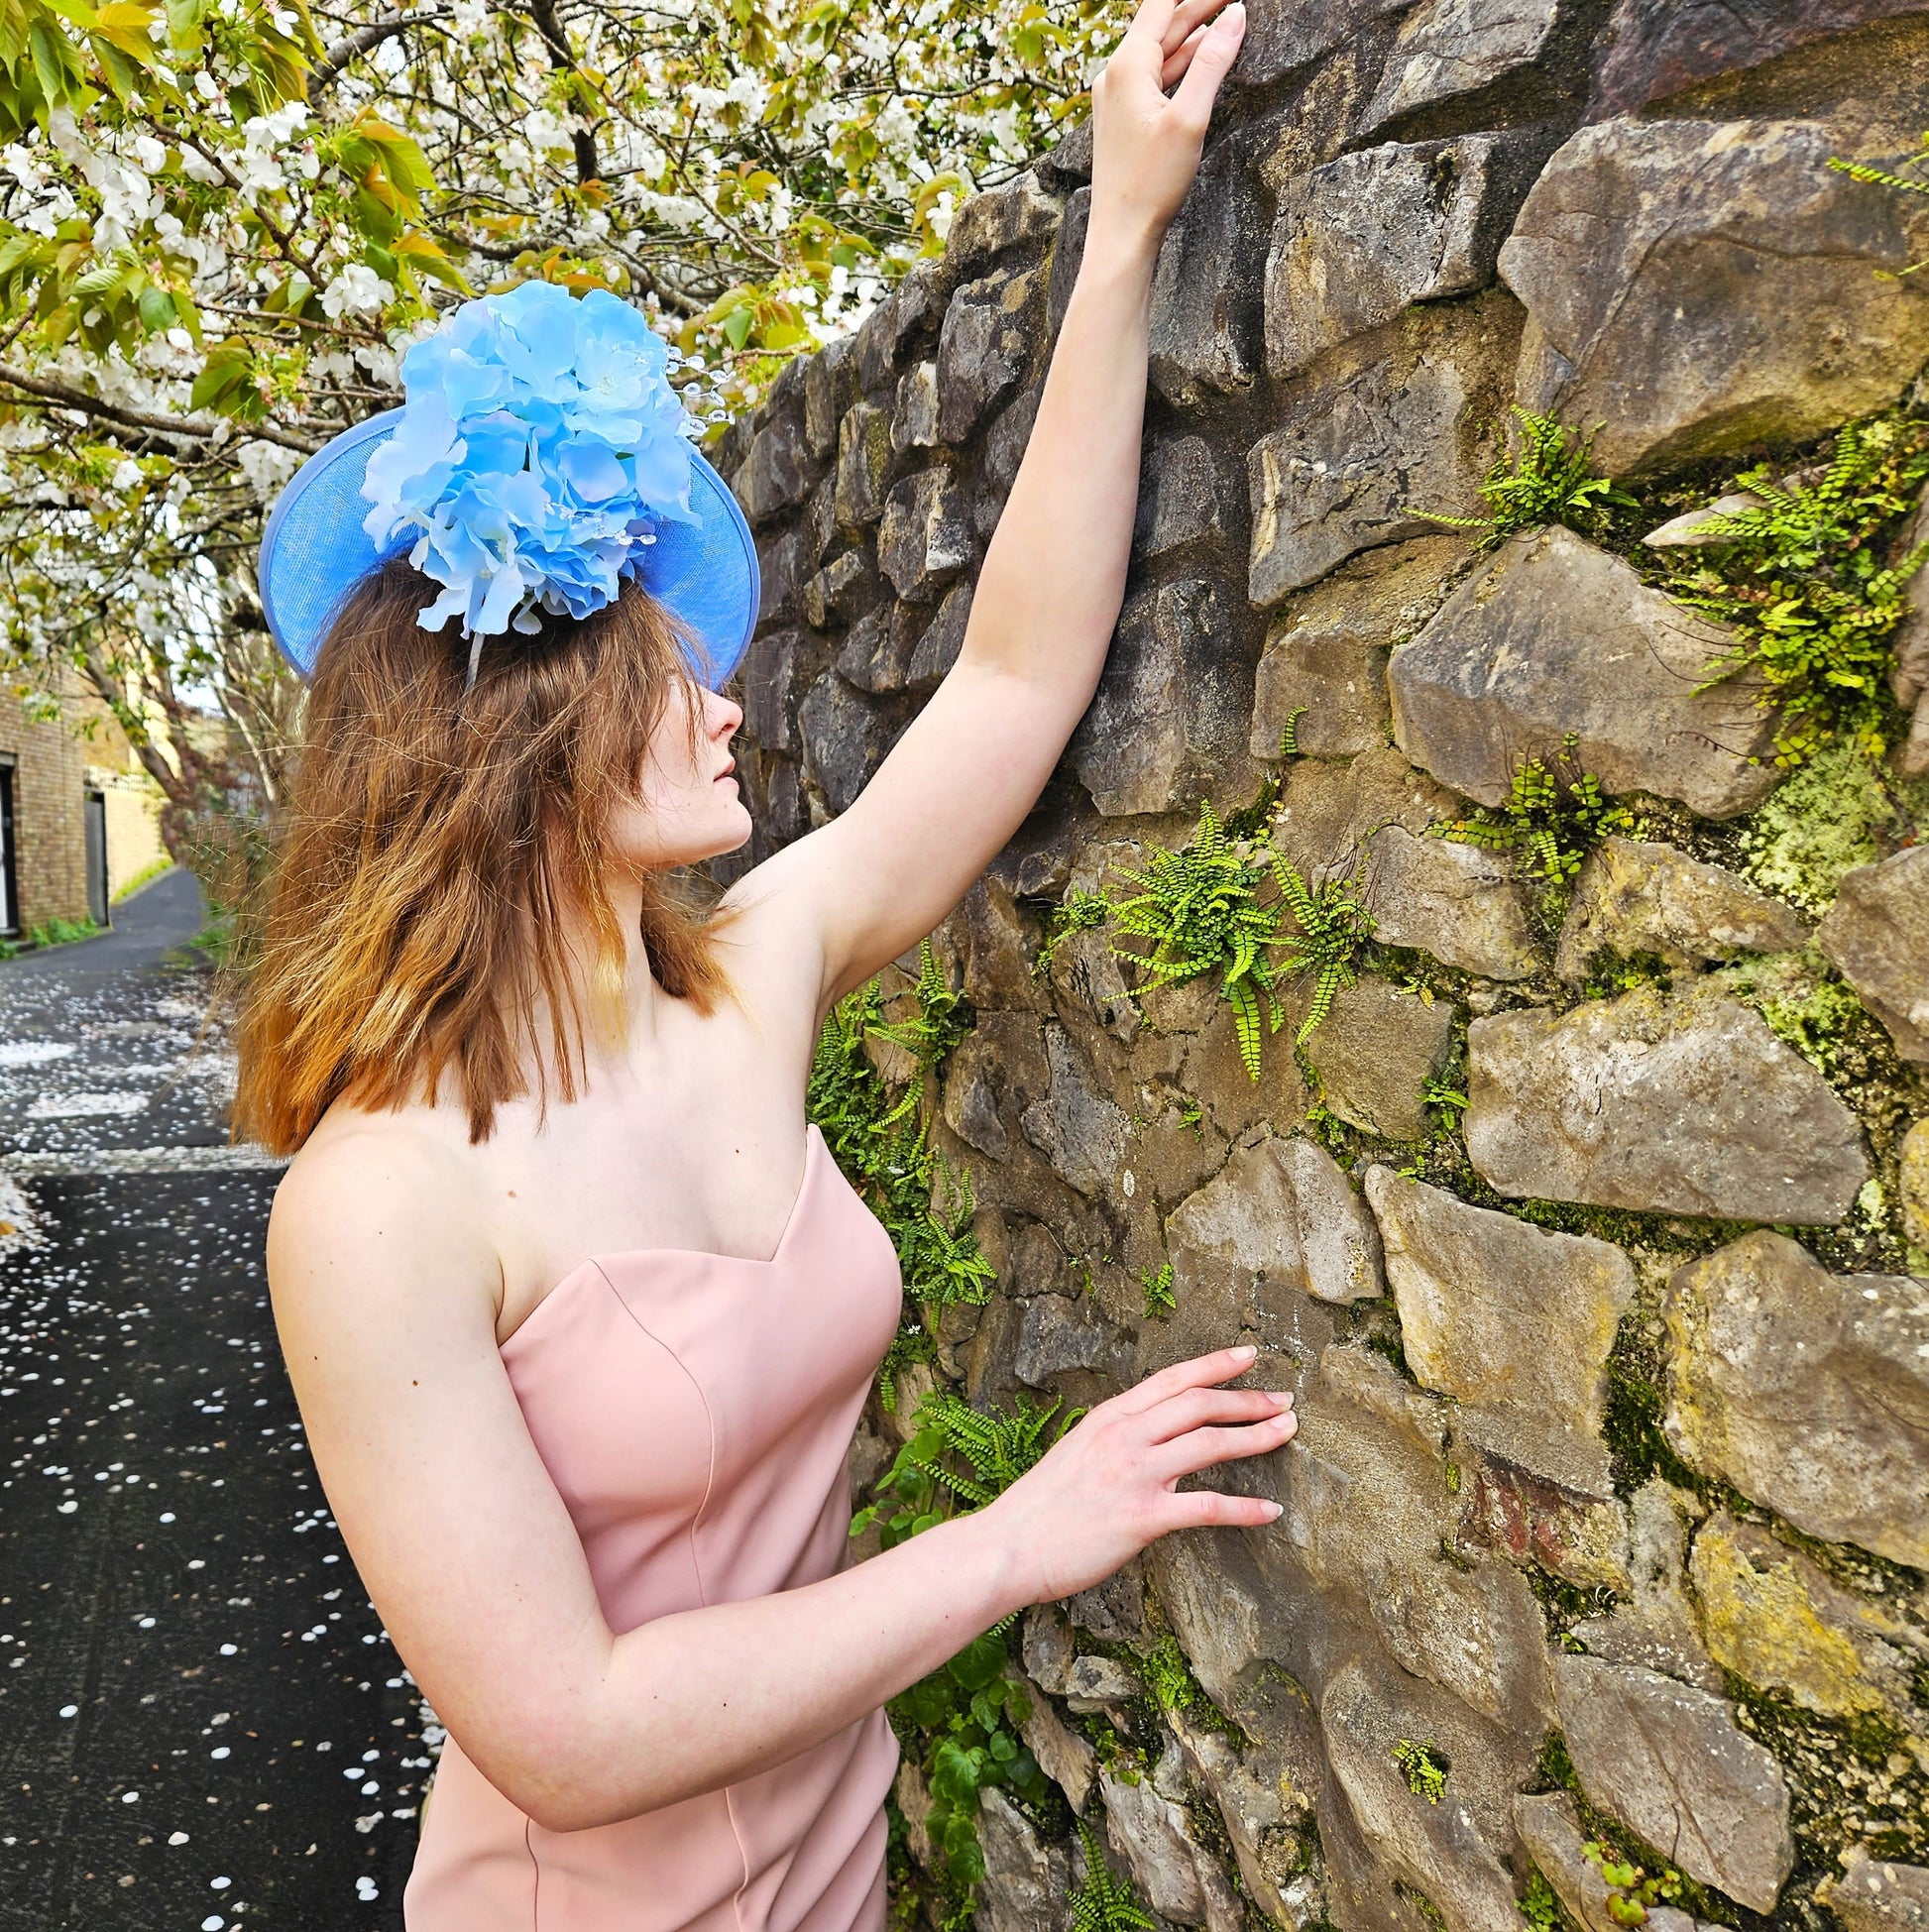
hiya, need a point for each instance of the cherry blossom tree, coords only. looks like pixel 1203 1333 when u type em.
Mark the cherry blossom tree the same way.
pixel 222 221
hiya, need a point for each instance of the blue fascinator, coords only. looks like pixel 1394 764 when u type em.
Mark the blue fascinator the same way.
pixel 539 458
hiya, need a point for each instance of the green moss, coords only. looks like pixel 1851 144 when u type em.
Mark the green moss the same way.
pixel 1851 1780
pixel 1636 1402
pixel 1842 808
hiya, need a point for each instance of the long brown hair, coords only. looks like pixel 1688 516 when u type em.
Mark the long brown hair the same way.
pixel 434 839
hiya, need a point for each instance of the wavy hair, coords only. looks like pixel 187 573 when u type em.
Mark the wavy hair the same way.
pixel 432 844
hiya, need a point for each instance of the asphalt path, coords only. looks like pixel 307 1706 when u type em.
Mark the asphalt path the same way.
pixel 201 1723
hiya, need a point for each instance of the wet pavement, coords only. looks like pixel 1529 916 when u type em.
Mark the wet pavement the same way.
pixel 201 1725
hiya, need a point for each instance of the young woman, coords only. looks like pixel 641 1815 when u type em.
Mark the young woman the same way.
pixel 579 1311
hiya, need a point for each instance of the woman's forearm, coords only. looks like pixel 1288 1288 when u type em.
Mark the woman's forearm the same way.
pixel 702 1698
pixel 1049 592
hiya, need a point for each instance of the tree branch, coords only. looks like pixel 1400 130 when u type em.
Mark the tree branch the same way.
pixel 351 46
pixel 70 398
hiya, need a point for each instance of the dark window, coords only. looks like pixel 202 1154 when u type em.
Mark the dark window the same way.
pixel 9 885
pixel 97 857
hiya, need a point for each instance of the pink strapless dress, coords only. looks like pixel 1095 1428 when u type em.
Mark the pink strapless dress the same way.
pixel 695 1410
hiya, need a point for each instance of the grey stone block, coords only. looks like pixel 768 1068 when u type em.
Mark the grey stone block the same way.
pixel 984 348
pixel 1669 1762
pixel 1635 895
pixel 1702 286
pixel 1554 636
pixel 1687 1106
pixel 1370 234
pixel 1509 1320
pixel 1878 932
pixel 925 538
pixel 1167 712
pixel 1808 1391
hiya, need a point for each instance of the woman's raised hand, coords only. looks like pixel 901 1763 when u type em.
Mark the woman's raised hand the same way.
pixel 1145 144
pixel 1105 1488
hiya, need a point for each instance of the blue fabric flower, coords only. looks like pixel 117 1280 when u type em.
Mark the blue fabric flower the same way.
pixel 539 449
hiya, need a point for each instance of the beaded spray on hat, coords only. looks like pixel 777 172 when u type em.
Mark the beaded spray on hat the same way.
pixel 539 458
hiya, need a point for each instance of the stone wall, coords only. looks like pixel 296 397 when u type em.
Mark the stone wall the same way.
pixel 1593 1245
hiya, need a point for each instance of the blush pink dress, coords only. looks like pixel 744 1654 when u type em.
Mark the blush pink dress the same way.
pixel 695 1410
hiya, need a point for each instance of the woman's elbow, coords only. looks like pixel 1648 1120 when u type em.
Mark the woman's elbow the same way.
pixel 566 1792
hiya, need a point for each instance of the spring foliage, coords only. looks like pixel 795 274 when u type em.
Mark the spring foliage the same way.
pixel 1103 1902
pixel 223 220
pixel 1552 817
pixel 1237 908
pixel 1546 477
pixel 965 1717
pixel 876 1130
pixel 1809 579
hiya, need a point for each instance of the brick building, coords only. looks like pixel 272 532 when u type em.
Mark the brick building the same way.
pixel 78 816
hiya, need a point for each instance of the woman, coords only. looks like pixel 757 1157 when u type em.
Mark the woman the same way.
pixel 579 1312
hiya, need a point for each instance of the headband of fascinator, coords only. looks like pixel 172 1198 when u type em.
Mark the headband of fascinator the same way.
pixel 541 457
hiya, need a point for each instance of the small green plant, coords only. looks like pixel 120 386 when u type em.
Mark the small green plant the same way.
pixel 1801 578
pixel 877 1136
pixel 1289 737
pixel 152 870
pixel 1424 1769
pixel 1192 1115
pixel 1447 1101
pixel 959 1455
pixel 1554 816
pixel 972 1715
pixel 1333 924
pixel 1078 912
pixel 1860 171
pixel 1159 1300
pixel 1204 909
pixel 1545 477
pixel 1542 1907
pixel 65 932
pixel 1104 1902
pixel 1632 1889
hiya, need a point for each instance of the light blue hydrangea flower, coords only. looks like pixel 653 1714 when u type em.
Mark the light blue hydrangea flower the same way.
pixel 539 448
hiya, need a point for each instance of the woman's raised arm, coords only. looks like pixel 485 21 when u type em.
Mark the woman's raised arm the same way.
pixel 961 778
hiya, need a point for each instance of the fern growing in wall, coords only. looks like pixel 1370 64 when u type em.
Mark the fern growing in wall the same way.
pixel 1801 577
pixel 876 1133
pixel 1548 476
pixel 1103 1902
pixel 1555 815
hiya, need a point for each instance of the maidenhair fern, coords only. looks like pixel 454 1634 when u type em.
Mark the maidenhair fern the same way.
pixel 1103 1902
pixel 1078 912
pixel 1423 1768
pixel 1334 925
pixel 876 1134
pixel 1547 478
pixel 1860 171
pixel 1159 1300
pixel 959 1455
pixel 1554 816
pixel 968 1713
pixel 1801 577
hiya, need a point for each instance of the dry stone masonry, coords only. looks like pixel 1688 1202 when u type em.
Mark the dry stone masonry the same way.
pixel 1591 1224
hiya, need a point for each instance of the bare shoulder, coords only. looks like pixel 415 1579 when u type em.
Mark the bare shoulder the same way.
pixel 378 1204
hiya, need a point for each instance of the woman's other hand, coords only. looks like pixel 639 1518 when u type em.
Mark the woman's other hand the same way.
pixel 1106 1487
pixel 1145 144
